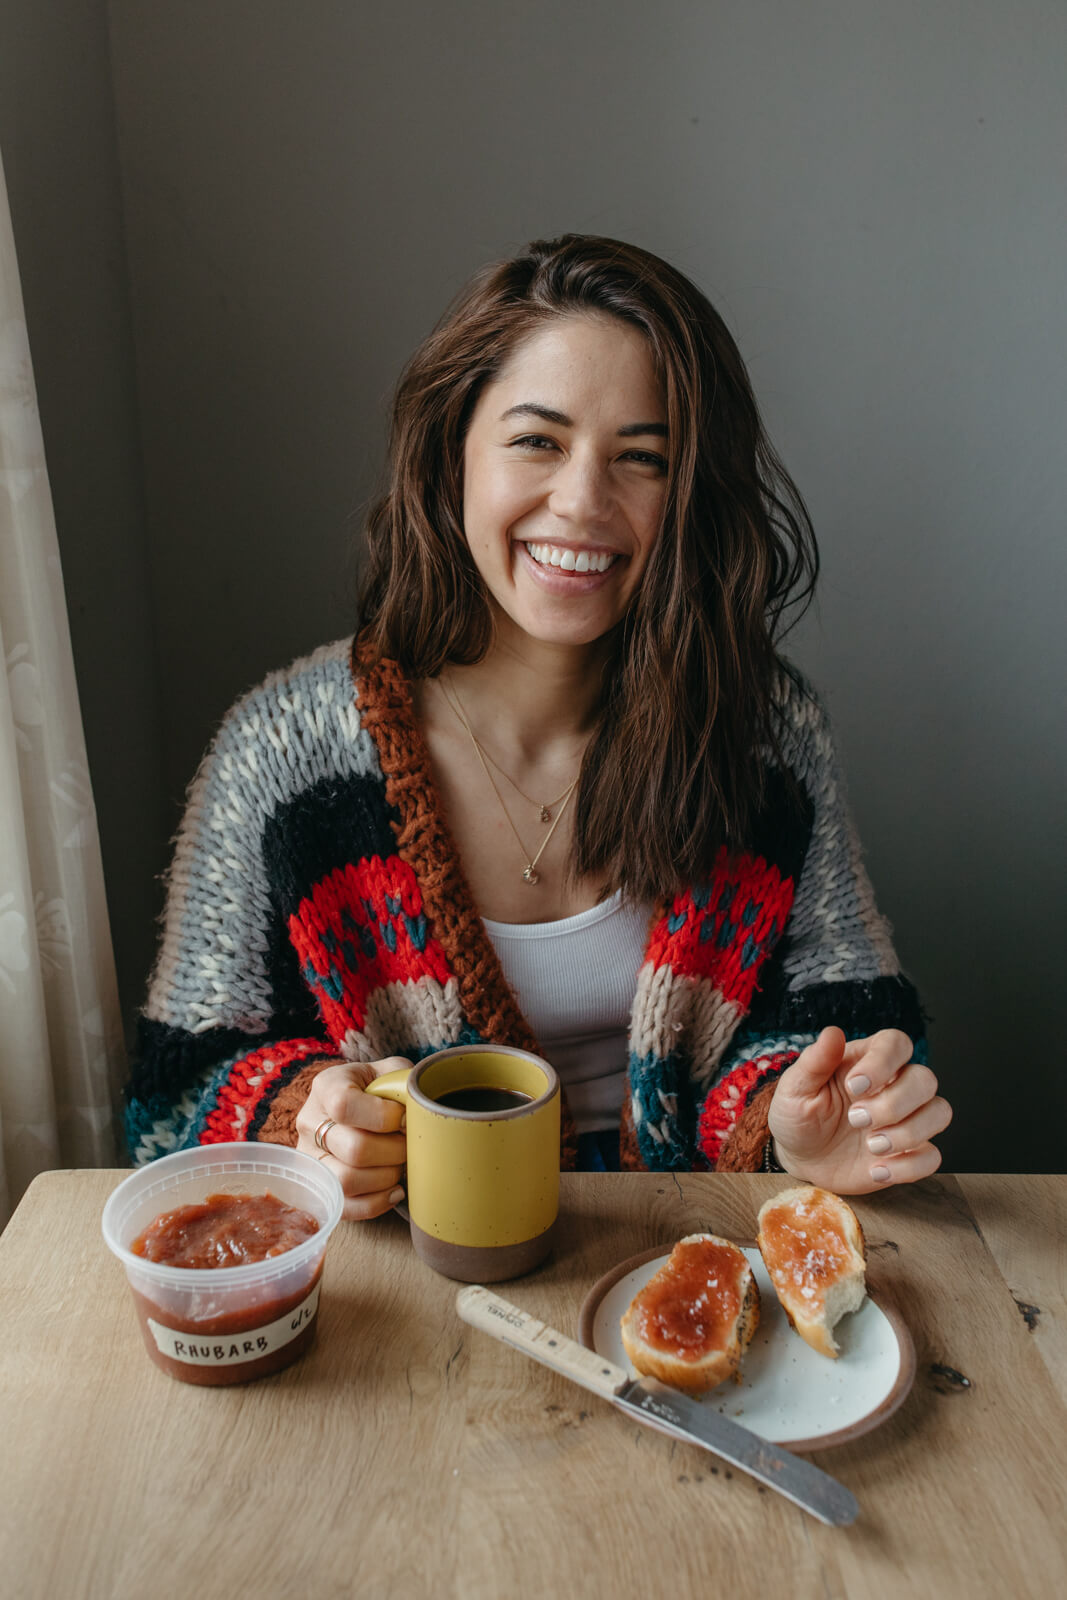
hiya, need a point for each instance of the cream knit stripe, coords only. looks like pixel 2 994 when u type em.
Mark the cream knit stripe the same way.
pixel 420 1016
pixel 672 1013
pixel 299 726
pixel 835 929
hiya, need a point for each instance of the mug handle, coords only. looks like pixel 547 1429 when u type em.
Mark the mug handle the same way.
pixel 393 1086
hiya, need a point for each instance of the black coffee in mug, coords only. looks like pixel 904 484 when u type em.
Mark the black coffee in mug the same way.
pixel 483 1097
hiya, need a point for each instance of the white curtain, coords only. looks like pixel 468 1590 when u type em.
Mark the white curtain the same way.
pixel 61 1050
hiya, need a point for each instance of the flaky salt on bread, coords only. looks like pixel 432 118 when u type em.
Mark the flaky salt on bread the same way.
pixel 692 1322
pixel 814 1251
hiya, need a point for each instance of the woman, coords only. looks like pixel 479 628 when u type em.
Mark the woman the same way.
pixel 560 791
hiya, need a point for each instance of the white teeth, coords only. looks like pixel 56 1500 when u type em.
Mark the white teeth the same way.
pixel 554 555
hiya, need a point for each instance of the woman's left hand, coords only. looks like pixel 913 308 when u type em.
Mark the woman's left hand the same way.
pixel 858 1116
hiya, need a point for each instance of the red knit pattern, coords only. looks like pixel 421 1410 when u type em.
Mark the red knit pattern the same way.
pixel 728 1099
pixel 250 1079
pixel 373 900
pixel 725 929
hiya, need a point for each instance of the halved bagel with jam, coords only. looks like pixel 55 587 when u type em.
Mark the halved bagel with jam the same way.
pixel 814 1251
pixel 692 1322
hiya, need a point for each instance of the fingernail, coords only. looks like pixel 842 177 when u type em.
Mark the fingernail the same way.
pixel 403 1120
pixel 879 1174
pixel 398 1194
pixel 858 1085
pixel 879 1144
pixel 859 1118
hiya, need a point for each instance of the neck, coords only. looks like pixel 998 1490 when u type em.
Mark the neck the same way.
pixel 532 697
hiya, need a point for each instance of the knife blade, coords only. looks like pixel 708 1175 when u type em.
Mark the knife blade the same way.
pixel 655 1403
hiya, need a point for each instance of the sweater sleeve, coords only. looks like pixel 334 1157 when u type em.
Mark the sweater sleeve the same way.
pixel 835 963
pixel 231 1035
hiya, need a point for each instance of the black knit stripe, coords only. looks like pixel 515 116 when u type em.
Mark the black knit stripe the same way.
pixel 857 1006
pixel 335 821
pixel 168 1059
pixel 781 830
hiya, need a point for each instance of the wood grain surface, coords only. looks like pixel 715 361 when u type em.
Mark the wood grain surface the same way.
pixel 1026 1231
pixel 408 1455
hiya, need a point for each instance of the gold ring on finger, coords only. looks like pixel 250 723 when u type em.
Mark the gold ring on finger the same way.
pixel 320 1134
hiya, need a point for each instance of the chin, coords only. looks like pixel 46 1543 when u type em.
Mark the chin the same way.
pixel 565 635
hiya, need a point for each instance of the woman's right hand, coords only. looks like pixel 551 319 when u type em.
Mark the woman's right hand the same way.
pixel 364 1147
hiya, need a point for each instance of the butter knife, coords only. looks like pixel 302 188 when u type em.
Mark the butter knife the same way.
pixel 655 1403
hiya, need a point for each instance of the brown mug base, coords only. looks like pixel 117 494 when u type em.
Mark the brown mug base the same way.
pixel 481 1263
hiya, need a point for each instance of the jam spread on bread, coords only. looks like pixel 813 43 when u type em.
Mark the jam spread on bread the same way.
pixel 692 1303
pixel 806 1247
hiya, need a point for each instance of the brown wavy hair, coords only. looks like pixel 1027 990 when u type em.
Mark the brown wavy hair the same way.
pixel 677 765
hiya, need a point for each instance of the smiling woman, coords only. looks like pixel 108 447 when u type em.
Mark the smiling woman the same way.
pixel 561 522
pixel 560 791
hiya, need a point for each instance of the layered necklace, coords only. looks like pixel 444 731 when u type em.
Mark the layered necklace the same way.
pixel 544 808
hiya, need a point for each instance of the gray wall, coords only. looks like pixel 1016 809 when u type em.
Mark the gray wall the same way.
pixel 871 194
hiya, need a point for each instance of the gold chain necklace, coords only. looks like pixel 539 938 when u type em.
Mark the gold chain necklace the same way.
pixel 530 874
pixel 544 808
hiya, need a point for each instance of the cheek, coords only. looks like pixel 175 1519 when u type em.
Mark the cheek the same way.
pixel 648 526
pixel 490 509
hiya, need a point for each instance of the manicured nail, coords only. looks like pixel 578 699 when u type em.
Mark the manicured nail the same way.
pixel 859 1118
pixel 398 1194
pixel 878 1144
pixel 858 1085
pixel 879 1174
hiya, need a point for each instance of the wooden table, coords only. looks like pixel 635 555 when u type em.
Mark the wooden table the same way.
pixel 408 1455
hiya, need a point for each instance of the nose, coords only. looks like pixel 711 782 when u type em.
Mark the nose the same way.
pixel 581 490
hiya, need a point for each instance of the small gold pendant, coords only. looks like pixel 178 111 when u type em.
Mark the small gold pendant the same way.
pixel 529 875
pixel 546 815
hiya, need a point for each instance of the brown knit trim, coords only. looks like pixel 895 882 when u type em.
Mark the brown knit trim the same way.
pixel 629 1150
pixel 280 1124
pixel 425 843
pixel 743 1149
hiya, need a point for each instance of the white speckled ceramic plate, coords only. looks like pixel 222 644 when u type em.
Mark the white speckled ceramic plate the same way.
pixel 789 1393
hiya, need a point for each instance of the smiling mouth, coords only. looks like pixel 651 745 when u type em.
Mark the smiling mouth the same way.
pixel 568 559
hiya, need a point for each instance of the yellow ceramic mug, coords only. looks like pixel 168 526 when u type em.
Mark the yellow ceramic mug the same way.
pixel 483 1158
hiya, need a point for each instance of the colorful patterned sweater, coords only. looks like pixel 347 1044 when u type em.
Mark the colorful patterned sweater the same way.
pixel 317 909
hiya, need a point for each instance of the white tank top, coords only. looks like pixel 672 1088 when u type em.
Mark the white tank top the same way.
pixel 575 982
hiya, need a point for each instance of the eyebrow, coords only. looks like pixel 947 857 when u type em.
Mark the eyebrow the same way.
pixel 632 430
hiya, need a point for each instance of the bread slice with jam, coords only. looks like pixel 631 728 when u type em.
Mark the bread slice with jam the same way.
pixel 692 1322
pixel 815 1254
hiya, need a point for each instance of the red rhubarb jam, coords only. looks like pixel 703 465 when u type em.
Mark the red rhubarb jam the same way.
pixel 244 1330
pixel 225 1230
pixel 688 1308
pixel 804 1248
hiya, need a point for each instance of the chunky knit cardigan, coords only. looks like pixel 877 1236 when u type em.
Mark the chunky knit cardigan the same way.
pixel 317 909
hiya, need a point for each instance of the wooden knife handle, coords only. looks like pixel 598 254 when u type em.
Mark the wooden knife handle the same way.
pixel 485 1310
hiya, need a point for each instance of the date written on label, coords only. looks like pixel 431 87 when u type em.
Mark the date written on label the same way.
pixel 222 1350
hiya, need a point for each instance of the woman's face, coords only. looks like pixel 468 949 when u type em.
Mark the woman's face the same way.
pixel 564 478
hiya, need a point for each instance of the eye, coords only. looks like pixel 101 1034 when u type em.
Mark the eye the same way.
pixel 647 458
pixel 533 441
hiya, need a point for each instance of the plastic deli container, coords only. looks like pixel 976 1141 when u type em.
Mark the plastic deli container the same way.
pixel 225 1324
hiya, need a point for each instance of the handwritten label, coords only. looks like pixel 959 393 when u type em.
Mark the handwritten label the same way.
pixel 229 1349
